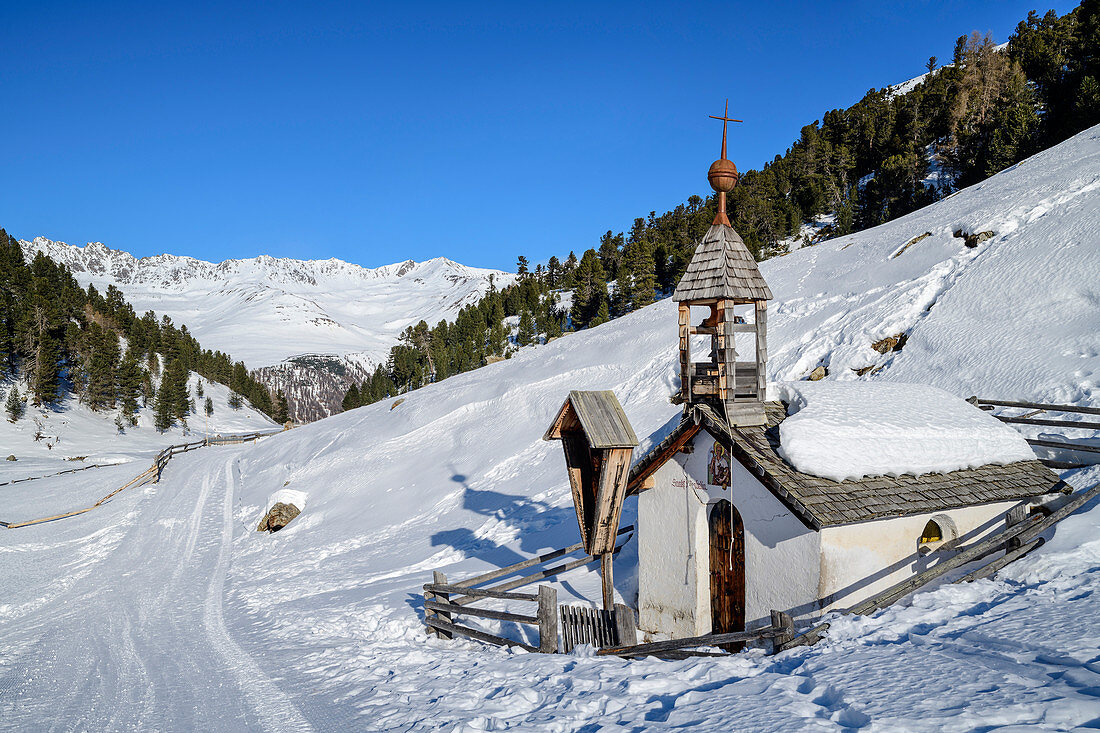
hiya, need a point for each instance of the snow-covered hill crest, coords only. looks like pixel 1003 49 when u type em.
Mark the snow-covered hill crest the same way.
pixel 265 309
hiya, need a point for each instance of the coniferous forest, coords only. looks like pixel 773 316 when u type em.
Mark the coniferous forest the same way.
pixel 66 341
pixel 887 155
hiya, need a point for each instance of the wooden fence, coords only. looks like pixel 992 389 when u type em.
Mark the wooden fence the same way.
pixel 148 476
pixel 779 632
pixel 1029 418
pixel 443 600
pixel 1017 540
pixel 57 473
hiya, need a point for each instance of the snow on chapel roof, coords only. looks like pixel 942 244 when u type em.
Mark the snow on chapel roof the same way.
pixel 848 430
pixel 722 267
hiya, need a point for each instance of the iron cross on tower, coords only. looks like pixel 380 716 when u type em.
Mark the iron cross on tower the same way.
pixel 726 119
pixel 723 173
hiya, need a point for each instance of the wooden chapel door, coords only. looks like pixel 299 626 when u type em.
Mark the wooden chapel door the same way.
pixel 727 570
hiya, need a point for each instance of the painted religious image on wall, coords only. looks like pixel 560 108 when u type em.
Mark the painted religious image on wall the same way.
pixel 718 469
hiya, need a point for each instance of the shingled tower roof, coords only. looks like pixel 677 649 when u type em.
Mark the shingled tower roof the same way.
pixel 722 267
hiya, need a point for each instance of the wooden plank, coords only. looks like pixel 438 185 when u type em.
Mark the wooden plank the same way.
pixel 1081 424
pixel 1064 446
pixel 480 592
pixel 626 630
pixel 987 570
pixel 1033 526
pixel 610 495
pixel 656 462
pixel 694 641
pixel 555 554
pixel 547 619
pixel 453 608
pixel 1038 406
pixel 452 629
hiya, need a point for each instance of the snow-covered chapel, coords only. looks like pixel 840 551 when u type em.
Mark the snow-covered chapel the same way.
pixel 816 499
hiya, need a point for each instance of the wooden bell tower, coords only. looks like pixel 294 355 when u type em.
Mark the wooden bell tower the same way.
pixel 724 284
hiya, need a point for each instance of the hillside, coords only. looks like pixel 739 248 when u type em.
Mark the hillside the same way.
pixel 319 625
pixel 311 327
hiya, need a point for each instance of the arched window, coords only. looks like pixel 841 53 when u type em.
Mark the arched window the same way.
pixel 931 533
pixel 939 533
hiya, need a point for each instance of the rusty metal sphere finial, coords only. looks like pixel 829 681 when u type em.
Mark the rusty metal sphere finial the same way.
pixel 722 175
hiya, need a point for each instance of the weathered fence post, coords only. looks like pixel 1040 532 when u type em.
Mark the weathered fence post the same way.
pixel 1014 516
pixel 548 619
pixel 440 579
pixel 625 627
pixel 781 620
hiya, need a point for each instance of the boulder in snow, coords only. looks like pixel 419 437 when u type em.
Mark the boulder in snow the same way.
pixel 282 507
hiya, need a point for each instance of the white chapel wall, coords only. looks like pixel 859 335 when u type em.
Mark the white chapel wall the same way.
pixel 782 555
pixel 859 560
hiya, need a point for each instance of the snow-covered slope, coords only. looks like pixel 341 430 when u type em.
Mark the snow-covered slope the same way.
pixel 266 310
pixel 319 625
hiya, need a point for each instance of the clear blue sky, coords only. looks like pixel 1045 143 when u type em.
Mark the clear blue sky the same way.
pixel 378 133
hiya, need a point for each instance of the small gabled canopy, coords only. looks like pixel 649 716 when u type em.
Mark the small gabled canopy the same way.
pixel 599 415
pixel 722 268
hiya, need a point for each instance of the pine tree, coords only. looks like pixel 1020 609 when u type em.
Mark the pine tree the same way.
pixel 351 398
pixel 129 384
pixel 602 316
pixel 208 407
pixel 282 411
pixel 199 389
pixel 14 406
pixel 235 402
pixel 164 408
pixel 526 333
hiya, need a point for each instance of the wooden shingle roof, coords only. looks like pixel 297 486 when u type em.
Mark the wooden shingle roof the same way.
pixel 821 502
pixel 601 417
pixel 722 267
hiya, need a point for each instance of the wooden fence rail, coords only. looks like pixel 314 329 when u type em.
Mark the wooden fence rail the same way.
pixel 58 473
pixel 444 600
pixel 1030 419
pixel 780 631
pixel 149 475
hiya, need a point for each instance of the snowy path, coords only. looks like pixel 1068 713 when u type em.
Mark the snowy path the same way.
pixel 138 640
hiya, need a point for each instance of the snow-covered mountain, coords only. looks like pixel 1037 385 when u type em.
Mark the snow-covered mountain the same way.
pixel 319 626
pixel 265 311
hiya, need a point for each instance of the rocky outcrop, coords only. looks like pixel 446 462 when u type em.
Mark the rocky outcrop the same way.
pixel 279 516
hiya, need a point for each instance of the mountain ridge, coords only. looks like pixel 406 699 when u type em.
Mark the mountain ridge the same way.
pixel 271 311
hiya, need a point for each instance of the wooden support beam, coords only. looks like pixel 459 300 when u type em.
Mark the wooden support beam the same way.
pixel 607 581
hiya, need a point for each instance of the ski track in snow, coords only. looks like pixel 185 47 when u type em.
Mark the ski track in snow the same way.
pixel 138 640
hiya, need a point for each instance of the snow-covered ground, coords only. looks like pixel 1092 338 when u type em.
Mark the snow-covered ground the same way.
pixel 47 440
pixel 167 610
